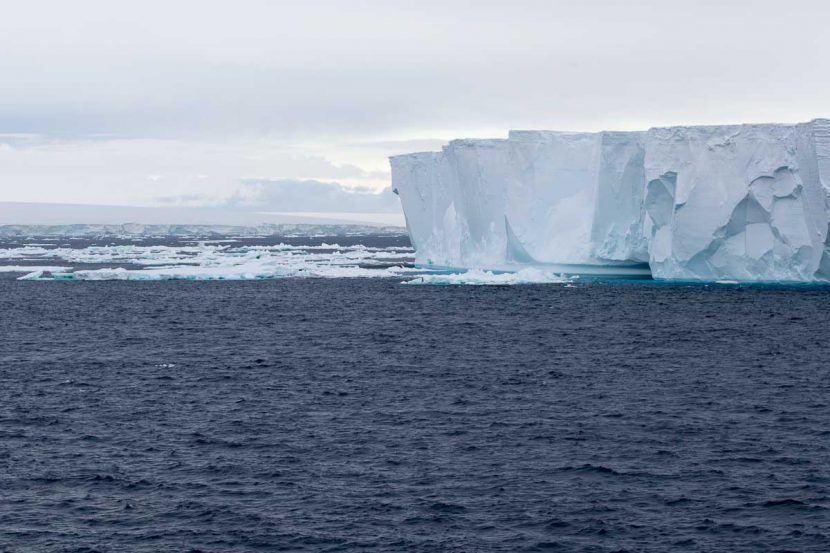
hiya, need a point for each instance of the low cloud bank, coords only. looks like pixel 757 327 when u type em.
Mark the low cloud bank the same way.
pixel 310 195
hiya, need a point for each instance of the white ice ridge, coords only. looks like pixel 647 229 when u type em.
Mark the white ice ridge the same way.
pixel 732 202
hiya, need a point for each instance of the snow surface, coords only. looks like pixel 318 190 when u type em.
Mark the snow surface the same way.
pixel 735 202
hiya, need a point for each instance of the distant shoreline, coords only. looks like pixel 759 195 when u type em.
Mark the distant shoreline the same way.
pixel 55 214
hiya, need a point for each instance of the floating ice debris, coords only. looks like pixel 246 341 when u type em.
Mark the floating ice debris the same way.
pixel 204 261
pixel 483 278
pixel 34 275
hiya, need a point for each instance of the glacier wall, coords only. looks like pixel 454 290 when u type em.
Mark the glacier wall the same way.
pixel 735 202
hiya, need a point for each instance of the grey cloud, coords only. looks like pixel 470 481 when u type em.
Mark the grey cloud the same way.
pixel 179 200
pixel 343 68
pixel 311 195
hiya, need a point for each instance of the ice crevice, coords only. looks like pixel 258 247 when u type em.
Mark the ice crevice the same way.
pixel 707 203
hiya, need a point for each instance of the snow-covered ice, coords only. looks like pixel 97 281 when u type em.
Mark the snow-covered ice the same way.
pixel 734 202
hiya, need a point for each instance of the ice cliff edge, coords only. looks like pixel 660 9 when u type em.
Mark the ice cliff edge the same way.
pixel 732 202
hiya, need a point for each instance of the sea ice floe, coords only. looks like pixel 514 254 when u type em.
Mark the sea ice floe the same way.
pixel 204 261
pixel 30 268
pixel 249 271
pixel 34 275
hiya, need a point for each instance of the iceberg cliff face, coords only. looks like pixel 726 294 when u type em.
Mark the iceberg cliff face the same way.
pixel 737 202
pixel 742 202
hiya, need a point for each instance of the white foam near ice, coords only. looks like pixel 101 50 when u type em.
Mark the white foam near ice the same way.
pixel 484 278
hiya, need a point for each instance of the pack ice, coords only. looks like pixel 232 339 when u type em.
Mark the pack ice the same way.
pixel 709 203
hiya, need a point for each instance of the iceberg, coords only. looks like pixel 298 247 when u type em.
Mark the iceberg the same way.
pixel 707 203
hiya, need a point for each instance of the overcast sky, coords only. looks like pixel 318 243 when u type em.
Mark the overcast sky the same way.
pixel 158 102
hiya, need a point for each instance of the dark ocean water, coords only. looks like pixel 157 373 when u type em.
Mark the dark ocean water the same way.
pixel 364 415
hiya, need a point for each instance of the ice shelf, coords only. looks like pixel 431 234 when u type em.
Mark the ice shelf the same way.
pixel 732 202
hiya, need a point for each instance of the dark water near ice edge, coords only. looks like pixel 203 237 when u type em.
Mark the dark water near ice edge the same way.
pixel 363 415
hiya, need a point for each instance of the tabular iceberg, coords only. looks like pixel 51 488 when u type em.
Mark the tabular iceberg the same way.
pixel 733 202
